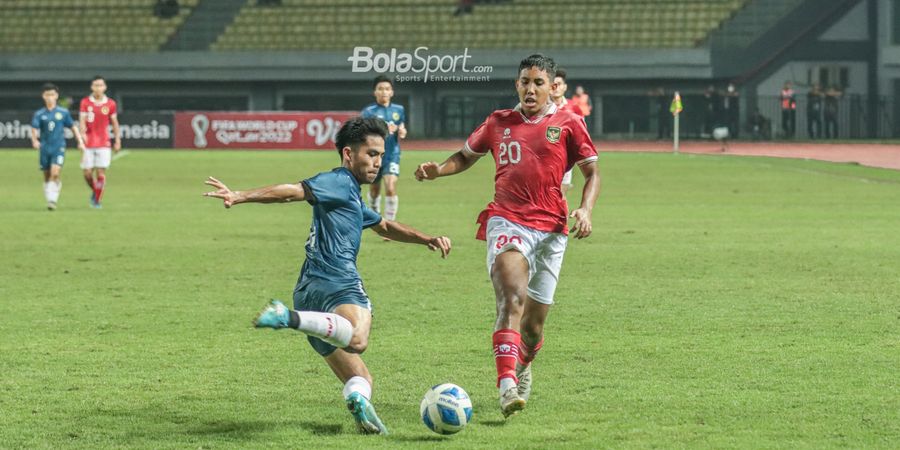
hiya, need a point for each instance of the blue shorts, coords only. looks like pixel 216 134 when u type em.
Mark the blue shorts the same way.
pixel 52 158
pixel 323 296
pixel 390 165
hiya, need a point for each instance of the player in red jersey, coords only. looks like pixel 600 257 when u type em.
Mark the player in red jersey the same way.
pixel 558 96
pixel 97 113
pixel 525 226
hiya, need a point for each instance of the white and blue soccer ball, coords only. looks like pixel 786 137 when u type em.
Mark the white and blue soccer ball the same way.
pixel 446 409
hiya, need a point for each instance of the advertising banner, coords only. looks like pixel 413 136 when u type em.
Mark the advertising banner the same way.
pixel 139 130
pixel 258 130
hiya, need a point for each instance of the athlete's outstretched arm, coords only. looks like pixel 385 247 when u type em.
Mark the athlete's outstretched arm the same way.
pixel 582 215
pixel 397 231
pixel 455 164
pixel 278 193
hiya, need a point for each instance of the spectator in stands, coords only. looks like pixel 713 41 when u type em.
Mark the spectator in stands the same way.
pixel 788 110
pixel 761 126
pixel 663 115
pixel 464 7
pixel 712 105
pixel 166 9
pixel 731 106
pixel 832 103
pixel 582 101
pixel 814 112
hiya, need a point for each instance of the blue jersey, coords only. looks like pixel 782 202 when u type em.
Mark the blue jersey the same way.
pixel 52 124
pixel 339 216
pixel 390 114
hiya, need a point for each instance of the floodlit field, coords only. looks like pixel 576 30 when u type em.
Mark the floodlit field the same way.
pixel 722 302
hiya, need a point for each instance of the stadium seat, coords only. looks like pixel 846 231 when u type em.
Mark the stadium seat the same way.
pixel 27 26
pixel 320 24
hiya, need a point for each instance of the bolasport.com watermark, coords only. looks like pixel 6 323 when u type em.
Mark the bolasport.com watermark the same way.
pixel 420 65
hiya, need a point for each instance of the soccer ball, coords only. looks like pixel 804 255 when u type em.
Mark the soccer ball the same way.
pixel 446 409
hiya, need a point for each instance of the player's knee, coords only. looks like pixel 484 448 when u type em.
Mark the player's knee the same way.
pixel 358 343
pixel 357 346
pixel 510 304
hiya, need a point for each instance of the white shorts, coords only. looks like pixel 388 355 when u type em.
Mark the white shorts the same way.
pixel 567 179
pixel 96 158
pixel 543 251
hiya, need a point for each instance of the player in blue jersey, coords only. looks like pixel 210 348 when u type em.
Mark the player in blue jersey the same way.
pixel 395 117
pixel 48 136
pixel 330 304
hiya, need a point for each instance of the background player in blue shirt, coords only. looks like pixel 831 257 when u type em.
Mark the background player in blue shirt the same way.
pixel 330 304
pixel 48 135
pixel 395 117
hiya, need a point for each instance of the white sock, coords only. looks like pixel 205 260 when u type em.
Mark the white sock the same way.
pixel 358 384
pixel 390 207
pixel 47 191
pixel 506 383
pixel 328 327
pixel 54 187
pixel 375 203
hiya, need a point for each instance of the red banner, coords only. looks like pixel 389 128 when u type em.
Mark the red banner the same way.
pixel 258 130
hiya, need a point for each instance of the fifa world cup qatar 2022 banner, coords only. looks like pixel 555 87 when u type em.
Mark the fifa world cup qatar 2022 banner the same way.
pixel 258 130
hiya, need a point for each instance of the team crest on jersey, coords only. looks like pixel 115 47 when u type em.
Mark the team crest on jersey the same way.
pixel 58 116
pixel 396 116
pixel 553 134
pixel 104 110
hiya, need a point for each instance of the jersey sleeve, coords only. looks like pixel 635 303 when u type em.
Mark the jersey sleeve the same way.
pixel 113 108
pixel 328 189
pixel 366 112
pixel 36 121
pixel 579 146
pixel 83 106
pixel 403 115
pixel 478 143
pixel 67 120
pixel 370 218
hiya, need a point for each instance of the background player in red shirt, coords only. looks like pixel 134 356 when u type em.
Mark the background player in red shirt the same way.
pixel 525 226
pixel 558 96
pixel 97 112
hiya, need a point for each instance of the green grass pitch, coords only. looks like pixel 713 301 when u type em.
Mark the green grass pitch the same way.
pixel 721 302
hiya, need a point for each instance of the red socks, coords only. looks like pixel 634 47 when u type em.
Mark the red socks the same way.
pixel 506 353
pixel 98 187
pixel 527 352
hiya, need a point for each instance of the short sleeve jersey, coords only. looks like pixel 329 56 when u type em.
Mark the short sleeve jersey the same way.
pixel 339 216
pixel 390 114
pixel 531 156
pixel 98 114
pixel 52 124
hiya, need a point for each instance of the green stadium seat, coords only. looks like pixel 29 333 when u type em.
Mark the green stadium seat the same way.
pixel 52 25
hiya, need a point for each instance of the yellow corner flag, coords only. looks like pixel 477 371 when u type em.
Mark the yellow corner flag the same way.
pixel 676 107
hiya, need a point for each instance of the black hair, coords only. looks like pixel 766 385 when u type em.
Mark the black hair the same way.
pixel 382 79
pixel 355 131
pixel 49 87
pixel 561 73
pixel 98 77
pixel 541 62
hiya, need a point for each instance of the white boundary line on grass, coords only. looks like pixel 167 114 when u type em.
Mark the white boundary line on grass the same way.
pixel 121 154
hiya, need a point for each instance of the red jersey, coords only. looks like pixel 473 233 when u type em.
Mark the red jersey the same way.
pixel 571 105
pixel 97 118
pixel 531 157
